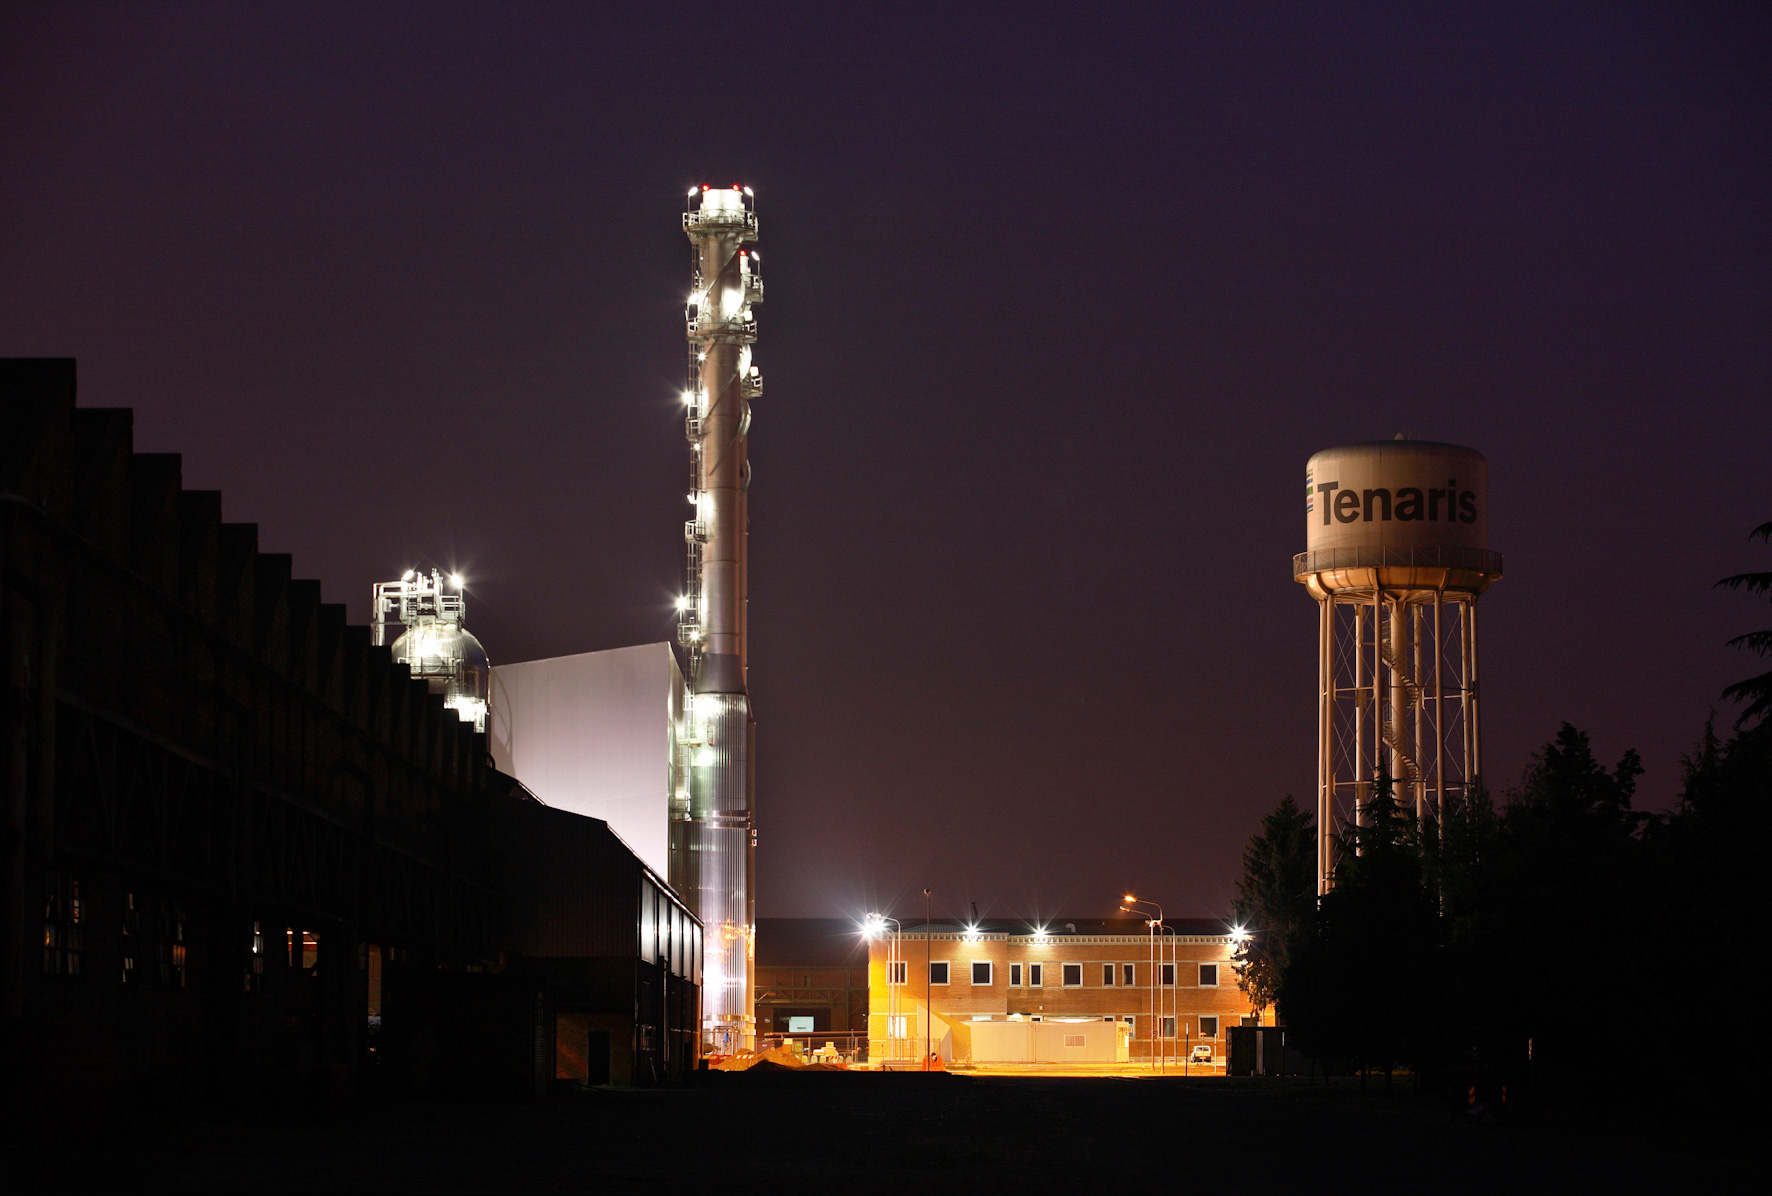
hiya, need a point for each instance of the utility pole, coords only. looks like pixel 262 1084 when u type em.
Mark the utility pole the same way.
pixel 928 983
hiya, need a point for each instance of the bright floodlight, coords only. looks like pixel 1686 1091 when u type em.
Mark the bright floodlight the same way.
pixel 682 602
pixel 1130 899
pixel 455 580
pixel 409 575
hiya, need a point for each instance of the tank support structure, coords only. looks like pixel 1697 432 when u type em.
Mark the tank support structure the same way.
pixel 1397 696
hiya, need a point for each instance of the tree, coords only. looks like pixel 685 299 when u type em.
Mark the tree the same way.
pixel 1755 691
pixel 1275 898
pixel 1568 901
pixel 1711 875
pixel 1362 982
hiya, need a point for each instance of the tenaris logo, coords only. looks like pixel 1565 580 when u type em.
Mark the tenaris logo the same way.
pixel 1430 504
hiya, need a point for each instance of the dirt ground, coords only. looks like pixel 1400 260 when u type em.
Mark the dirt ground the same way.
pixel 901 1133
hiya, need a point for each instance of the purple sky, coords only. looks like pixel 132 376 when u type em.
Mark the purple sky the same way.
pixel 1059 304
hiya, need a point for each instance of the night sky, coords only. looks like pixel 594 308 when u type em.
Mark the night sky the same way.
pixel 1059 302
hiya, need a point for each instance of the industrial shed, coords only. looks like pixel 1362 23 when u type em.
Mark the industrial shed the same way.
pixel 244 855
pixel 616 952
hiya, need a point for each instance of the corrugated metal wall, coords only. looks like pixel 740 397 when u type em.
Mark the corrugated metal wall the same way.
pixel 575 891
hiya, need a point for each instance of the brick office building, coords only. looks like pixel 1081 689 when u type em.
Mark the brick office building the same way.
pixel 1074 977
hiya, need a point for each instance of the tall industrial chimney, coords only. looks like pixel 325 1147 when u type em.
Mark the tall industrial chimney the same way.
pixel 1397 539
pixel 713 841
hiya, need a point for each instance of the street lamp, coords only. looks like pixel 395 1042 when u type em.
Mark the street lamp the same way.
pixel 928 984
pixel 1127 907
pixel 873 927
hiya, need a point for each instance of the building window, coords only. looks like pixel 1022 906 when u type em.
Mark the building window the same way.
pixel 895 971
pixel 938 972
pixel 1126 974
pixel 1168 973
pixel 1168 1027
pixel 309 950
pixel 1209 1027
pixel 896 1026
pixel 255 960
pixel 174 931
pixel 981 972
pixel 1072 975
pixel 1035 971
pixel 1107 975
pixel 63 951
pixel 1015 975
pixel 132 929
pixel 1208 975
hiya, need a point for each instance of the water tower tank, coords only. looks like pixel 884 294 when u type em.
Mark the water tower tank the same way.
pixel 1398 514
pixel 1396 553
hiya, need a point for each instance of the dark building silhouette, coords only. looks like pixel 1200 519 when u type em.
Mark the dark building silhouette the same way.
pixel 572 887
pixel 243 853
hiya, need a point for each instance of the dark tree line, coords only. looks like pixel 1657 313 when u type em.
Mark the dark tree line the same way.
pixel 1561 933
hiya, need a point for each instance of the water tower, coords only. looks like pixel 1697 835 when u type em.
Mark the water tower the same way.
pixel 1397 553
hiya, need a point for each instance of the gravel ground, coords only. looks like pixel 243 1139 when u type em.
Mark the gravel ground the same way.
pixel 900 1133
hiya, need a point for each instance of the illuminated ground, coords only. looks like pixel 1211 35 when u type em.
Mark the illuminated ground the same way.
pixel 904 1133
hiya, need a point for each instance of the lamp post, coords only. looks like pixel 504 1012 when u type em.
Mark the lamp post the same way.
pixel 1156 1013
pixel 1174 986
pixel 894 961
pixel 928 984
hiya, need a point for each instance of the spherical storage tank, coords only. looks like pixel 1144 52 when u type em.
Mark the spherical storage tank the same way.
pixel 451 660
pixel 1397 515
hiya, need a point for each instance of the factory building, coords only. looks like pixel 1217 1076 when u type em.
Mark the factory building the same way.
pixel 597 734
pixel 1082 992
pixel 615 1013
pixel 659 748
pixel 246 852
